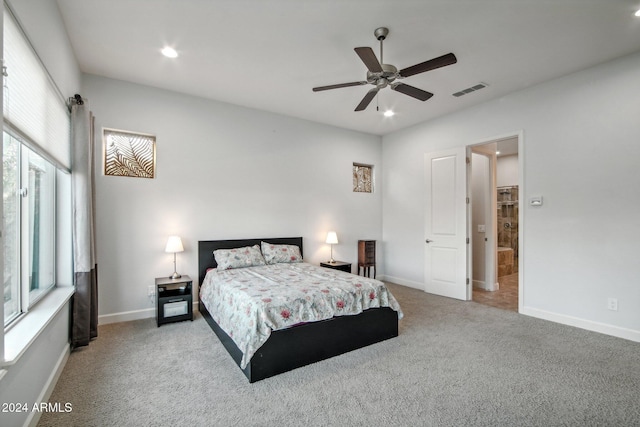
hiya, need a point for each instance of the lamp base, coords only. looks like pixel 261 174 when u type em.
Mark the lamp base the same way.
pixel 331 261
pixel 175 274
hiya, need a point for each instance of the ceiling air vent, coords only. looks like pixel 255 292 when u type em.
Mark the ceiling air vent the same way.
pixel 471 89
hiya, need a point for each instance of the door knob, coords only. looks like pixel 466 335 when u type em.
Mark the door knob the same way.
pixel 428 241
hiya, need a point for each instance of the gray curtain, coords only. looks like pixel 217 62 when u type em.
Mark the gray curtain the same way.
pixel 84 307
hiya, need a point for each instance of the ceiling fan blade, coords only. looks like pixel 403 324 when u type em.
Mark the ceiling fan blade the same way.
pixel 338 86
pixel 369 59
pixel 432 64
pixel 420 94
pixel 367 99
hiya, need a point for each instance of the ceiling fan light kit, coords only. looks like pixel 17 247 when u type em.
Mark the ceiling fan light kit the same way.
pixel 382 75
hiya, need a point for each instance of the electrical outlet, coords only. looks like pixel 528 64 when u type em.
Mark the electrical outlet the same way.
pixel 151 291
pixel 612 304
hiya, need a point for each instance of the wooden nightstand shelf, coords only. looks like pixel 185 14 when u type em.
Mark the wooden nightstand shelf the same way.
pixel 174 299
pixel 337 265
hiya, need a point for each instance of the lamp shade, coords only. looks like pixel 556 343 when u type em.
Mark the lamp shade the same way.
pixel 332 238
pixel 174 244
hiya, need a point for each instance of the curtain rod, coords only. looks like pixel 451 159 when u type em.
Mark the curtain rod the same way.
pixel 76 99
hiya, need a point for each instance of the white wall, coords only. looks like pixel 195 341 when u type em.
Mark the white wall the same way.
pixel 580 153
pixel 32 378
pixel 507 173
pixel 223 172
pixel 480 192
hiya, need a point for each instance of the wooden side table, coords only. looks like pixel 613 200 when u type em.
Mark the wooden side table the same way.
pixel 337 265
pixel 367 257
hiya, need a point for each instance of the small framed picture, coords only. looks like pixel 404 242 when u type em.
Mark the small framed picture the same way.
pixel 129 154
pixel 362 178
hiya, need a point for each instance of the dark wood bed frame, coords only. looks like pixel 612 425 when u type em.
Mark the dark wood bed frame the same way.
pixel 303 344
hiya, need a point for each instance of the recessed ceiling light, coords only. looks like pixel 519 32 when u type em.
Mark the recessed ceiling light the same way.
pixel 388 113
pixel 497 153
pixel 637 12
pixel 169 52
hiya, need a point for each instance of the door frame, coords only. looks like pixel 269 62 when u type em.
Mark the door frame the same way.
pixel 521 207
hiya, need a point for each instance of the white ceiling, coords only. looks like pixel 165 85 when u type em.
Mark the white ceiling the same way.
pixel 269 54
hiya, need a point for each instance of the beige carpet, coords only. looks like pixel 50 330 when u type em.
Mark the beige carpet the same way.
pixel 454 364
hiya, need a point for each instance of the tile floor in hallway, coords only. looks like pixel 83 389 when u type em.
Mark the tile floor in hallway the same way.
pixel 506 297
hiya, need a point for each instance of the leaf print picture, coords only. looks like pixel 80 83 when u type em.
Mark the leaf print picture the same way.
pixel 129 154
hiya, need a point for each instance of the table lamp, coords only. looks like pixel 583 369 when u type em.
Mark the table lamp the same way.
pixel 174 245
pixel 332 239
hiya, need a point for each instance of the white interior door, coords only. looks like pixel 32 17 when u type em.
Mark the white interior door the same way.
pixel 446 257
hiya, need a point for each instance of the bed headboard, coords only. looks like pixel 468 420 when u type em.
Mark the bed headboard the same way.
pixel 206 248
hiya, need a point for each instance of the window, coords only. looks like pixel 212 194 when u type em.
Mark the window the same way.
pixel 29 203
pixel 362 178
pixel 10 189
pixel 35 154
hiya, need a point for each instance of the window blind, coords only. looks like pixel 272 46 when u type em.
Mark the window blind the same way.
pixel 32 105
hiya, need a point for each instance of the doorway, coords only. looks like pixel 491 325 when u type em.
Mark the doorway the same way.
pixel 495 223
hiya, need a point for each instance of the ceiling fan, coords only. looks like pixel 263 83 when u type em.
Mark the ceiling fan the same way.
pixel 382 75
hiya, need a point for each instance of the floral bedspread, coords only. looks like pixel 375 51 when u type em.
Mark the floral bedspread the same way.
pixel 249 303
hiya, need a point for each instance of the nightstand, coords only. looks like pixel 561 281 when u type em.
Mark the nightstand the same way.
pixel 337 265
pixel 367 257
pixel 174 300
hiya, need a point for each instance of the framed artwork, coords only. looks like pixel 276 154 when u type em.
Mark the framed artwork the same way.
pixel 129 154
pixel 362 178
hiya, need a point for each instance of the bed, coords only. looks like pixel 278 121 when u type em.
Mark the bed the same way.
pixel 302 343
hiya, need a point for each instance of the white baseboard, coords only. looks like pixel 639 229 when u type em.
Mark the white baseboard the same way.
pixel 45 394
pixel 481 284
pixel 127 316
pixel 403 282
pixel 603 328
